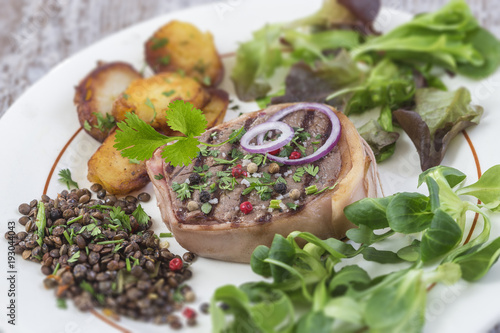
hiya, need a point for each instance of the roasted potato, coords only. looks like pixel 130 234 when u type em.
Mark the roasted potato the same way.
pixel 149 98
pixel 215 110
pixel 114 172
pixel 95 94
pixel 180 46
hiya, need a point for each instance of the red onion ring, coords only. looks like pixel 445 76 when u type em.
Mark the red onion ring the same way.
pixel 262 148
pixel 324 149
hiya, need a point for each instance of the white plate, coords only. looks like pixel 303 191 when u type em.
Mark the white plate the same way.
pixel 37 126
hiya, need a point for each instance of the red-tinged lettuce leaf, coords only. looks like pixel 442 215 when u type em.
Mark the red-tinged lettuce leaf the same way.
pixel 380 141
pixel 364 10
pixel 358 14
pixel 313 84
pixel 438 117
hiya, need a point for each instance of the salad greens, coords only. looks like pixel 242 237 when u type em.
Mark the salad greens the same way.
pixel 333 57
pixel 438 117
pixel 317 288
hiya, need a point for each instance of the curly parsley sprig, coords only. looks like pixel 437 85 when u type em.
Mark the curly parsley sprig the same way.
pixel 138 140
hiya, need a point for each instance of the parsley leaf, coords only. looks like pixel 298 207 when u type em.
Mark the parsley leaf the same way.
pixel 118 217
pixel 87 126
pixel 158 43
pixel 152 106
pixel 74 257
pixel 140 215
pixel 65 175
pixel 185 118
pixel 311 169
pixel 181 152
pixel 136 139
pixel 168 93
pixel 104 122
pixel 297 176
pixel 183 191
pixel 236 135
pixel 235 153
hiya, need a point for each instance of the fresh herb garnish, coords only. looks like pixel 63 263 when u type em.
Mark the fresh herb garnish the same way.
pixel 87 126
pixel 41 222
pixel 311 169
pixel 205 151
pixel 61 303
pixel 165 60
pixel 65 177
pixel 236 135
pixel 158 43
pixel 223 161
pixel 152 106
pixel 183 191
pixel 299 172
pixel 227 183
pixel 159 176
pixel 111 242
pixel 201 169
pixel 292 205
pixel 74 257
pixel 88 287
pixel 236 153
pixel 140 215
pixel 118 217
pixel 104 123
pixel 168 93
pixel 138 140
pixel 313 189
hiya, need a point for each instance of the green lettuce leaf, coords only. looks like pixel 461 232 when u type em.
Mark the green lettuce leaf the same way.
pixel 256 62
pixel 382 143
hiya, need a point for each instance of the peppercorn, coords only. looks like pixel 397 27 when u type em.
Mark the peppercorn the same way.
pixel 175 264
pixel 236 171
pixel 189 313
pixel 246 207
pixel 295 155
pixel 194 179
pixel 192 206
pixel 204 196
pixel 274 168
pixel 280 188
pixel 252 168
pixel 294 194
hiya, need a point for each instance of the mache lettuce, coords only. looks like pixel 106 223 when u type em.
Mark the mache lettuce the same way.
pixel 311 291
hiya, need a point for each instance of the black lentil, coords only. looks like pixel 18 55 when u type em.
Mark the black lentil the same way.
pixel 96 187
pixel 144 197
pixel 136 262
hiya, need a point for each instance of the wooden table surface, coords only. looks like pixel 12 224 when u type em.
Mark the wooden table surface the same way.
pixel 35 35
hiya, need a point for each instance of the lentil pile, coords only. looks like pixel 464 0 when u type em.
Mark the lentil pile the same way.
pixel 100 253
